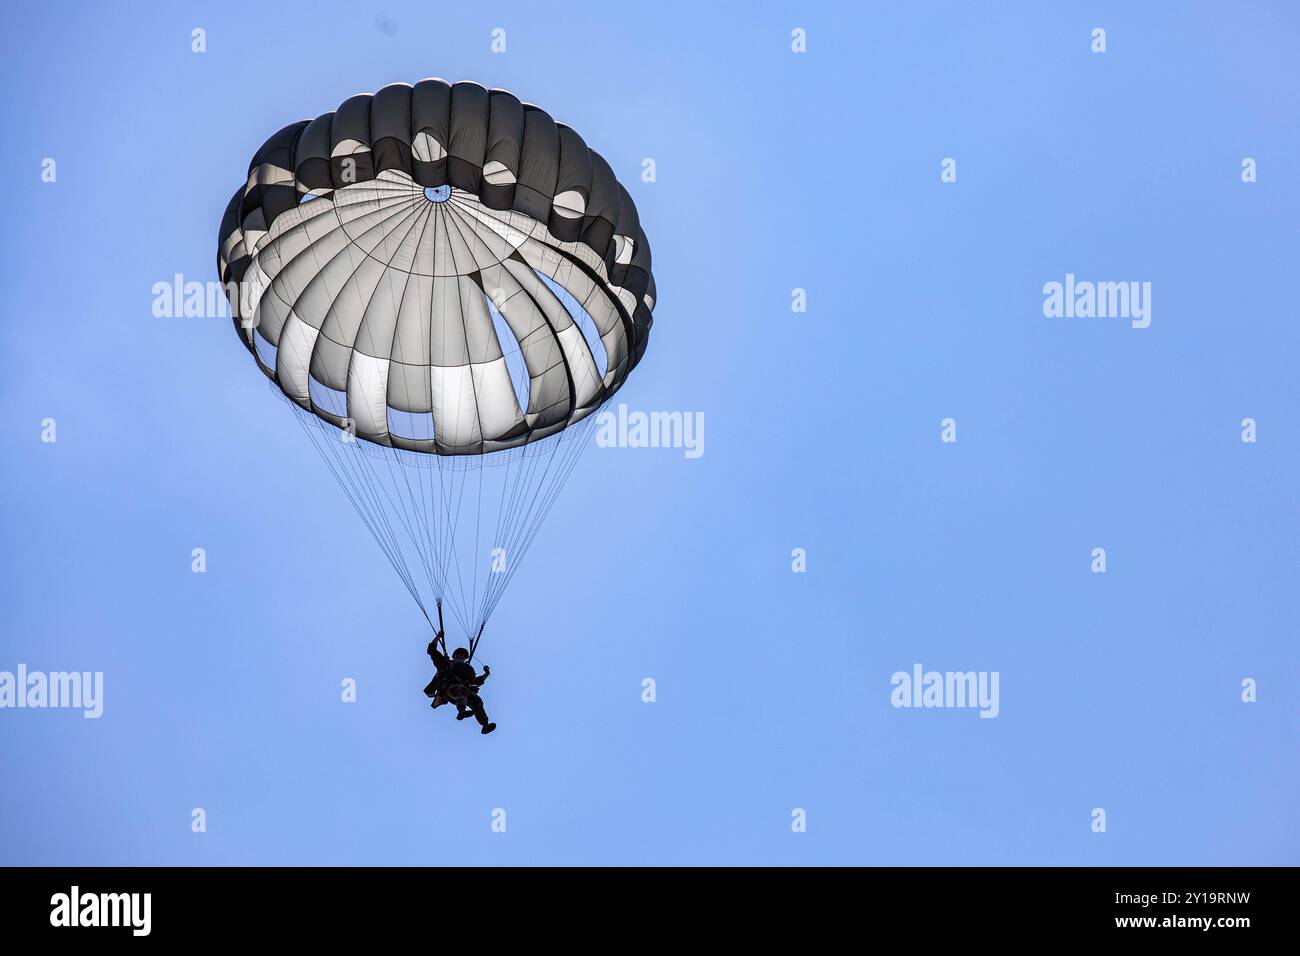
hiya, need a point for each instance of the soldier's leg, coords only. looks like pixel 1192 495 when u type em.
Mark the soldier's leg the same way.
pixel 476 704
pixel 458 695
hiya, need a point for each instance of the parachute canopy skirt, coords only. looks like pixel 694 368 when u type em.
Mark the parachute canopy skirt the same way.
pixel 445 273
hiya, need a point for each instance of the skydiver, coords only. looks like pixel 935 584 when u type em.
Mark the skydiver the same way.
pixel 457 681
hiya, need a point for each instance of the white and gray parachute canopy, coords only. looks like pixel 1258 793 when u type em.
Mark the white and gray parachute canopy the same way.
pixel 446 285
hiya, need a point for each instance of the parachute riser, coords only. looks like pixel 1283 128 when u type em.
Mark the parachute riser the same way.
pixel 441 635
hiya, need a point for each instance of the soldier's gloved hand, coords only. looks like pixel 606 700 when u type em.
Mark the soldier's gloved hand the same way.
pixel 486 670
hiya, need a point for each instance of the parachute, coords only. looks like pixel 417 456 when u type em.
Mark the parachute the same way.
pixel 446 286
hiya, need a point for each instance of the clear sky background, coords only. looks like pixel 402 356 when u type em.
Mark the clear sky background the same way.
pixel 775 171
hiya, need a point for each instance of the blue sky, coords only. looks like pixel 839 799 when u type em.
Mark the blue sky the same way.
pixel 775 171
